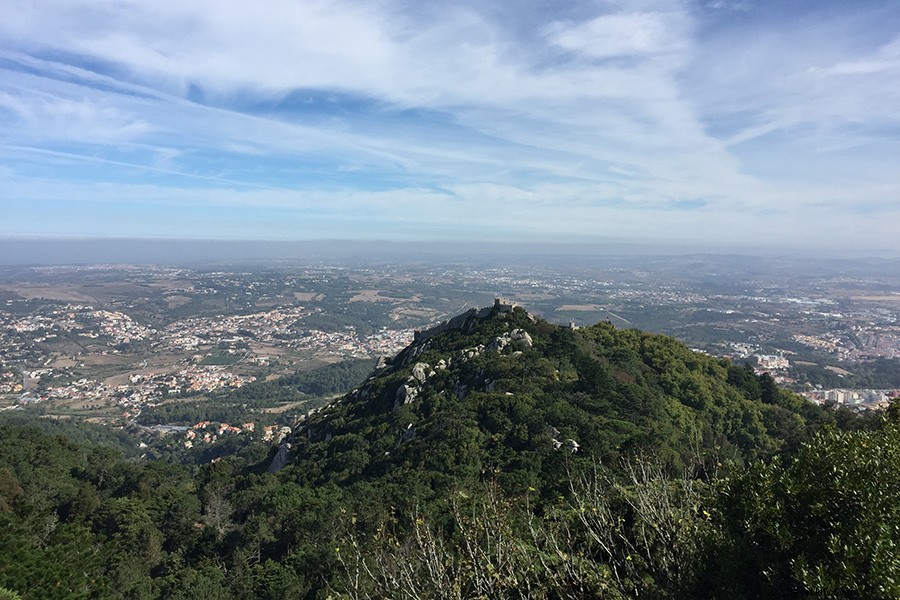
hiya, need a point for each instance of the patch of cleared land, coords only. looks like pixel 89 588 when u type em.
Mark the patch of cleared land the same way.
pixel 418 313
pixel 579 308
pixel 221 359
pixel 371 296
pixel 63 362
pixel 62 294
pixel 176 301
pixel 261 350
pixel 285 407
pixel 103 360
pixel 308 296
pixel 837 370
pixel 530 296
pixel 172 284
pixel 881 298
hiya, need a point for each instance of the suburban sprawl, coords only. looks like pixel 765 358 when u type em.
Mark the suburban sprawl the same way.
pixel 107 342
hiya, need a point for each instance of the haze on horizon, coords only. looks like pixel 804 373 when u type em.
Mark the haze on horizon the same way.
pixel 731 123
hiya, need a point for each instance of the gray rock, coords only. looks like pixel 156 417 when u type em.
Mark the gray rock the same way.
pixel 499 343
pixel 463 322
pixel 406 393
pixel 280 459
pixel 420 372
pixel 520 335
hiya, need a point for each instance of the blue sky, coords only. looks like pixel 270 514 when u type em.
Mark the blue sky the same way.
pixel 737 123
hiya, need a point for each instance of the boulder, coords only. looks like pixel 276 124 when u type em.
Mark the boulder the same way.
pixel 406 393
pixel 520 335
pixel 499 343
pixel 420 371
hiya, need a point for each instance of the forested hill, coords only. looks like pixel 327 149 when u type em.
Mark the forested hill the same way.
pixel 500 392
pixel 499 456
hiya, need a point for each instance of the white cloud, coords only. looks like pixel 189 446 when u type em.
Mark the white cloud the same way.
pixel 887 58
pixel 738 6
pixel 614 113
pixel 65 118
pixel 623 35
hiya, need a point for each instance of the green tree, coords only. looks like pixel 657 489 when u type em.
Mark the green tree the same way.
pixel 826 525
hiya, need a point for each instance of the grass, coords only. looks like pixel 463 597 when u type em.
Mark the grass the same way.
pixel 221 359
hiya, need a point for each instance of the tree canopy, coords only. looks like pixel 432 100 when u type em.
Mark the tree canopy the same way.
pixel 507 458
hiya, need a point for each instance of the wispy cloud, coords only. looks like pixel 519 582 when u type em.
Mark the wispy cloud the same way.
pixel 72 119
pixel 630 35
pixel 648 117
pixel 885 59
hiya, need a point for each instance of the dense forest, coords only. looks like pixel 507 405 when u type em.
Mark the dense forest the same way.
pixel 503 457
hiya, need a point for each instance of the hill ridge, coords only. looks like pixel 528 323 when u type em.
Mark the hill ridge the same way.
pixel 504 378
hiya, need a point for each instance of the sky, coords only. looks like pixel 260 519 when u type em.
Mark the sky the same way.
pixel 729 122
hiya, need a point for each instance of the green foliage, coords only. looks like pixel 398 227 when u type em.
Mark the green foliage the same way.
pixel 624 535
pixel 245 403
pixel 615 393
pixel 881 373
pixel 330 379
pixel 826 525
pixel 469 487
pixel 74 430
pixel 221 358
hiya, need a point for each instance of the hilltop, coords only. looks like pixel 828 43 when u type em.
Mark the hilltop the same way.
pixel 499 393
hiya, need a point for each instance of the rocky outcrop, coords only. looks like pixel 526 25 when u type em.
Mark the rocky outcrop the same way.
pixel 409 391
pixel 420 375
pixel 554 434
pixel 462 322
pixel 516 336
pixel 520 335
pixel 421 372
pixel 469 353
pixel 280 459
pixel 406 393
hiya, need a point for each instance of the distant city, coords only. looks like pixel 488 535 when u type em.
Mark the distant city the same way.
pixel 105 342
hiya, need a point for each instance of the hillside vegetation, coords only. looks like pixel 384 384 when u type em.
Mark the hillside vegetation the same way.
pixel 498 457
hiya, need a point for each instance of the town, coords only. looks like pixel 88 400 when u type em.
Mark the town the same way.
pixel 106 342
